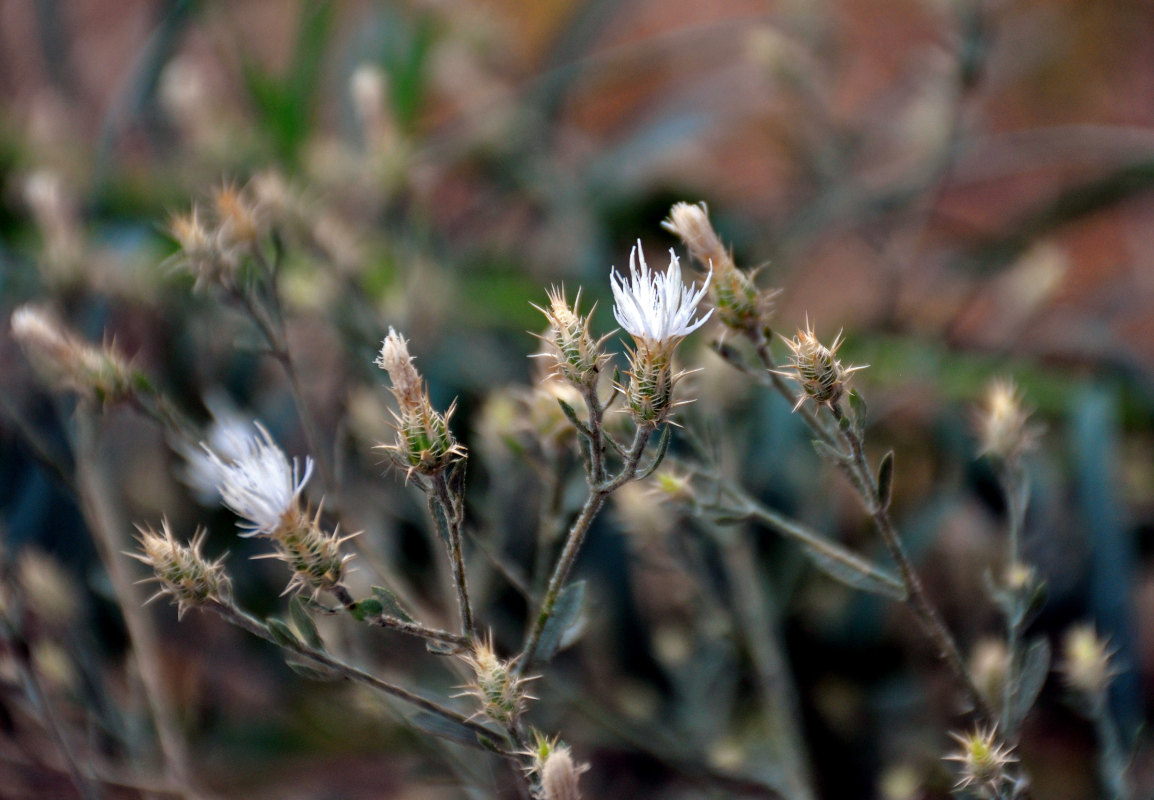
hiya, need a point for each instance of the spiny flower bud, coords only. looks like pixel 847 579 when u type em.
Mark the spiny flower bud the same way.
pixel 314 555
pixel 816 368
pixel 1086 661
pixel 181 570
pixel 64 359
pixel 576 354
pixel 650 389
pixel 740 304
pixel 424 442
pixel 240 225
pixel 496 685
pixel 1003 424
pixel 984 760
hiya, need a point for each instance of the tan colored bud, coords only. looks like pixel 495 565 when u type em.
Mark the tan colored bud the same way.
pixel 576 355
pixel 64 359
pixel 313 554
pixel 1003 423
pixel 496 685
pixel 181 570
pixel 1086 661
pixel 816 368
pixel 559 775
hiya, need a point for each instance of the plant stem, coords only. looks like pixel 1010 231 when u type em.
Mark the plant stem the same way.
pixel 598 492
pixel 917 599
pixel 447 509
pixel 384 620
pixel 234 615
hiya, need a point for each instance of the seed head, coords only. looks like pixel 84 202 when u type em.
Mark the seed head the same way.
pixel 181 570
pixel 424 442
pixel 816 368
pixel 984 759
pixel 559 775
pixel 1086 661
pixel 64 359
pixel 739 303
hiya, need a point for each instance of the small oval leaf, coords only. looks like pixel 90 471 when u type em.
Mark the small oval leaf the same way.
pixel 886 480
pixel 566 614
pixel 304 624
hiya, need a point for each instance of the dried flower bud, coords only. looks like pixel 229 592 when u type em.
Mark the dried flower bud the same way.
pixel 1003 424
pixel 496 685
pixel 314 555
pixel 984 760
pixel 424 442
pixel 240 225
pixel 816 368
pixel 48 589
pixel 64 359
pixel 739 303
pixel 576 354
pixel 1086 661
pixel 181 570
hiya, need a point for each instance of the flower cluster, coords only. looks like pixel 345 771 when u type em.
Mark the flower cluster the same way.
pixel 424 443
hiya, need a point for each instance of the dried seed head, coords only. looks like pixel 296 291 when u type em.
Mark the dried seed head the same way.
pixel 240 225
pixel 559 775
pixel 816 368
pixel 576 355
pixel 739 303
pixel 984 759
pixel 313 554
pixel 496 685
pixel 424 442
pixel 1086 661
pixel 64 359
pixel 181 570
pixel 1003 423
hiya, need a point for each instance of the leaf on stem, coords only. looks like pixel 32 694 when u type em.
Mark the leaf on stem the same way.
pixel 659 456
pixel 571 415
pixel 390 604
pixel 369 607
pixel 859 409
pixel 1035 668
pixel 856 573
pixel 304 624
pixel 281 633
pixel 443 728
pixel 312 670
pixel 566 617
pixel 886 481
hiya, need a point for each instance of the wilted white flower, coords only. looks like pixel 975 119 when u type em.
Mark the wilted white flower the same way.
pixel 656 309
pixel 226 438
pixel 261 485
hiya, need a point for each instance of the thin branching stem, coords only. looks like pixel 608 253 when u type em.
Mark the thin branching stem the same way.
pixel 598 492
pixel 236 616
pixel 917 599
pixel 384 620
pixel 447 507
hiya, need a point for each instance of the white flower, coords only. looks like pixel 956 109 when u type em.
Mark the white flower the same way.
pixel 227 439
pixel 260 485
pixel 656 308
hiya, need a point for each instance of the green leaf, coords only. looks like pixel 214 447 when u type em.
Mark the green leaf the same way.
pixel 304 624
pixel 864 576
pixel 659 456
pixel 571 415
pixel 566 616
pixel 369 607
pixel 827 452
pixel 282 634
pixel 312 670
pixel 443 728
pixel 886 480
pixel 441 648
pixel 857 405
pixel 1035 668
pixel 390 604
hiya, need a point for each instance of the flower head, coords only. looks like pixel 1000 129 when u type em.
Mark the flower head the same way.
pixel 983 757
pixel 496 685
pixel 181 570
pixel 657 309
pixel 816 368
pixel 261 486
pixel 1003 423
pixel 1086 661
pixel 576 355
pixel 63 358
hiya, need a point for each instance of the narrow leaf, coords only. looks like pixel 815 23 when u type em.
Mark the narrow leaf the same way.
pixel 390 604
pixel 856 572
pixel 566 615
pixel 282 634
pixel 369 607
pixel 304 624
pixel 857 405
pixel 571 415
pixel 443 728
pixel 886 480
pixel 441 648
pixel 312 671
pixel 1035 668
pixel 659 456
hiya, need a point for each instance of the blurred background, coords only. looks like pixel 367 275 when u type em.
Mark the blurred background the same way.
pixel 963 186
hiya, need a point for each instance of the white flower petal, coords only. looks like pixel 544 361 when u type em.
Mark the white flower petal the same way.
pixel 656 308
